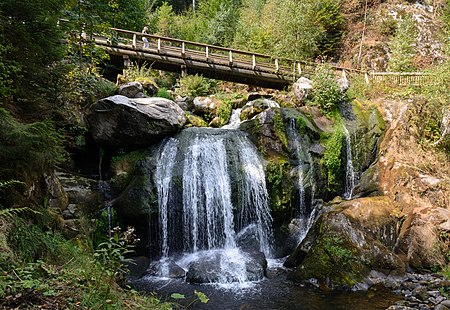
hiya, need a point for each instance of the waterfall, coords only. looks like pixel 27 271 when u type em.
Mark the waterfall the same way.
pixel 349 170
pixel 207 207
pixel 254 207
pixel 304 216
pixel 164 168
pixel 210 185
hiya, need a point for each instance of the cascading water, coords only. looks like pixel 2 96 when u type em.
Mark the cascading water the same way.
pixel 235 120
pixel 196 174
pixel 305 217
pixel 349 170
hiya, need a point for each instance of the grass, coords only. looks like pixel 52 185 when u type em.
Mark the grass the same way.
pixel 62 274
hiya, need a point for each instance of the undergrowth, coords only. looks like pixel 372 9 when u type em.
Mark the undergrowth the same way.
pixel 41 269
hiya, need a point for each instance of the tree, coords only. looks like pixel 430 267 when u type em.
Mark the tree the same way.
pixel 402 48
pixel 30 43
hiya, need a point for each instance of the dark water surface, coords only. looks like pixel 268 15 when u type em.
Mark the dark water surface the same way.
pixel 274 292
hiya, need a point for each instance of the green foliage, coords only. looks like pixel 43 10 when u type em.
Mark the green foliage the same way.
pixel 277 185
pixel 331 159
pixel 280 130
pixel 326 92
pixel 402 49
pixel 31 243
pixel 29 44
pixel 73 279
pixel 164 93
pixel 224 112
pixel 194 86
pixel 28 149
pixel 308 28
pixel 112 253
pixel 200 296
pixel 334 248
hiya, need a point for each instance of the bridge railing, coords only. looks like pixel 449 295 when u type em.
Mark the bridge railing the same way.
pixel 216 54
pixel 400 78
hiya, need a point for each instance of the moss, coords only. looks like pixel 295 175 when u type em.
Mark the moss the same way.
pixel 195 121
pixel 279 188
pixel 280 131
pixel 123 166
pixel 224 112
pixel 331 159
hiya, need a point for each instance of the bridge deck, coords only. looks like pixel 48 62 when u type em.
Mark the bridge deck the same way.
pixel 210 61
pixel 228 64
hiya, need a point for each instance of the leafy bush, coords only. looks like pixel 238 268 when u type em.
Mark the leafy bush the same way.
pixel 326 92
pixel 28 149
pixel 194 86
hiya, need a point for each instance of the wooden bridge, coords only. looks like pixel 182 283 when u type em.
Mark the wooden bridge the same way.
pixel 227 64
pixel 211 61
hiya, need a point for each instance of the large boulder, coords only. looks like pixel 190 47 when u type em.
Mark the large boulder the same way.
pixel 347 242
pixel 120 122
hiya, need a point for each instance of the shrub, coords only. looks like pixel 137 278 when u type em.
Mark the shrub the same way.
pixel 326 92
pixel 402 49
pixel 164 93
pixel 194 86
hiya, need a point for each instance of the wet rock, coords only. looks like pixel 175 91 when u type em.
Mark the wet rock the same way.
pixel 224 267
pixel 137 266
pixel 120 122
pixel 302 87
pixel 166 268
pixel 353 236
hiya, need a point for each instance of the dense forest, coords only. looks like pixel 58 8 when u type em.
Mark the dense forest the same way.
pixel 48 80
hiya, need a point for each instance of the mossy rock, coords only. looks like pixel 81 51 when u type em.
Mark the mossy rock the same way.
pixel 195 121
pixel 123 167
pixel 347 242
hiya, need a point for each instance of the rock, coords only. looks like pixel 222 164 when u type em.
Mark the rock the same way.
pixel 252 108
pixel 83 194
pixel 224 266
pixel 301 88
pixel 351 238
pixel 446 303
pixel 254 96
pixel 58 199
pixel 421 293
pixel 120 122
pixel 247 238
pixel 137 266
pixel 195 120
pixel 166 268
pixel 130 89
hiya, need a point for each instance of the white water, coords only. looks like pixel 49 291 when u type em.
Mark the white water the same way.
pixel 207 208
pixel 304 219
pixel 165 164
pixel 235 120
pixel 196 213
pixel 349 170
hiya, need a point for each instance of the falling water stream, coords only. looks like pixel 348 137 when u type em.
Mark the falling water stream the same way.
pixel 349 170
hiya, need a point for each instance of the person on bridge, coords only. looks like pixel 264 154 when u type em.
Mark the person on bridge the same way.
pixel 144 39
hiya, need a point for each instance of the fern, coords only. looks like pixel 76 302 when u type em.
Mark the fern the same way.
pixel 11 212
pixel 6 184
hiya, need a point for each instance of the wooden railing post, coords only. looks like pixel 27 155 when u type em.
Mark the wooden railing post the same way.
pixel 231 58
pixel 276 65
pixel 134 41
pixel 299 67
pixel 207 52
pixel 253 62
pixel 183 50
pixel 159 45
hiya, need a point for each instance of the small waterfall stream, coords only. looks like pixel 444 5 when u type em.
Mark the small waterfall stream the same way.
pixel 305 215
pixel 349 170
